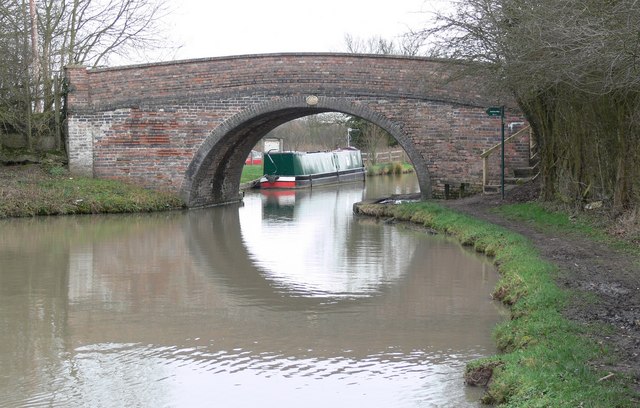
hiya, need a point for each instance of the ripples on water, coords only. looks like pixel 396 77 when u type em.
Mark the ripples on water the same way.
pixel 285 301
pixel 147 375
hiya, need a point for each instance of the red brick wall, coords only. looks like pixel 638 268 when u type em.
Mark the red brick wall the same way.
pixel 187 126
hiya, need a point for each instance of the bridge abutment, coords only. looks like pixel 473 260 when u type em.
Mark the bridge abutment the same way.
pixel 79 129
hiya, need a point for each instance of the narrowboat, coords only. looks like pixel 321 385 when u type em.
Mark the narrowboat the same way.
pixel 310 169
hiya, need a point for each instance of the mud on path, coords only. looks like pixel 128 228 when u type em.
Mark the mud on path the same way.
pixel 586 267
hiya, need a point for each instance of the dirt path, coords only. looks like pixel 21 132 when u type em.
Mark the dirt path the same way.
pixel 588 268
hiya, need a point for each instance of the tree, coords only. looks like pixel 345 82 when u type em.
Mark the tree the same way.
pixel 369 137
pixel 40 38
pixel 572 66
pixel 409 44
pixel 15 81
pixel 90 32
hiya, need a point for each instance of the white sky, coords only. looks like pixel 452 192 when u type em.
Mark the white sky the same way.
pixel 211 28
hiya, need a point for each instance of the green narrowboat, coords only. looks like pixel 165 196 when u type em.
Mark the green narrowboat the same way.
pixel 309 169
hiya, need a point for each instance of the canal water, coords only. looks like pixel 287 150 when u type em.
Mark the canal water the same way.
pixel 287 300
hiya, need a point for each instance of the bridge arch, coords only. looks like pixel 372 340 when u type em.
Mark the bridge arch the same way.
pixel 213 176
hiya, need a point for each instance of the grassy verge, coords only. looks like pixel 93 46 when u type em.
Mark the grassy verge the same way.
pixel 381 169
pixel 545 358
pixel 40 191
pixel 251 172
pixel 551 219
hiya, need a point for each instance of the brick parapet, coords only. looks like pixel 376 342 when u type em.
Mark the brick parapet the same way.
pixel 281 74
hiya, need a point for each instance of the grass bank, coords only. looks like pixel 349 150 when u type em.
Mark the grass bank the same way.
pixel 545 359
pixel 623 233
pixel 251 172
pixel 42 190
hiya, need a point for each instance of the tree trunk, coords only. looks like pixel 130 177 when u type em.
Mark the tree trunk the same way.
pixel 35 59
pixel 620 192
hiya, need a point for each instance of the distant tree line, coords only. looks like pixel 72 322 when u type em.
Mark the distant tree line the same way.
pixel 39 38
pixel 573 66
pixel 410 44
pixel 325 131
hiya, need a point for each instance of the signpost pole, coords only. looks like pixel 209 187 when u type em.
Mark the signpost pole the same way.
pixel 499 111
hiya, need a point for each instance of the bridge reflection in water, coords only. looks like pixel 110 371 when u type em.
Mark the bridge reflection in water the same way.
pixel 208 308
pixel 307 252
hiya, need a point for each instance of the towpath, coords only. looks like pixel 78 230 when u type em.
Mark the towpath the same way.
pixel 585 266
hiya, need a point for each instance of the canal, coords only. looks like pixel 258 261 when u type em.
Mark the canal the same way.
pixel 287 300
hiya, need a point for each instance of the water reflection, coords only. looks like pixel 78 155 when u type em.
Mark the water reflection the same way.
pixel 303 248
pixel 379 187
pixel 190 309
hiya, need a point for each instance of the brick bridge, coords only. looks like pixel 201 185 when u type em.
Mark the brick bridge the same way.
pixel 187 126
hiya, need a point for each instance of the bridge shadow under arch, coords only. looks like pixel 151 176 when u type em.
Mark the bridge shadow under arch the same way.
pixel 213 175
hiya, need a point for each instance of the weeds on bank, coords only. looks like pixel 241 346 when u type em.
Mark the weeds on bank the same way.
pixel 382 169
pixel 545 359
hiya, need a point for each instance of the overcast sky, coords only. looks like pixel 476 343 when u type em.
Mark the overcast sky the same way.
pixel 211 28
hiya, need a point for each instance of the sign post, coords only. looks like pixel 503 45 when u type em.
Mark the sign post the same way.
pixel 499 111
